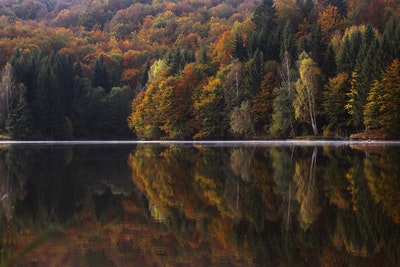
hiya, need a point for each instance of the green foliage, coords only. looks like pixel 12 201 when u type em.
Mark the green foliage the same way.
pixel 335 99
pixel 100 75
pixel 383 108
pixel 20 124
pixel 254 72
pixel 283 116
pixel 207 111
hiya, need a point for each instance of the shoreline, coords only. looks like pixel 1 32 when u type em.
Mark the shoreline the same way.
pixel 301 142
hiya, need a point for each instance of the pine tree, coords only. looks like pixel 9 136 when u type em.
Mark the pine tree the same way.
pixel 20 124
pixel 383 108
pixel 264 33
pixel 283 116
pixel 254 72
pixel 288 43
pixel 335 99
pixel 239 50
pixel 100 74
pixel 329 67
pixel 349 52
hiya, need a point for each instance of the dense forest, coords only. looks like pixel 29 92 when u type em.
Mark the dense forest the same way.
pixel 204 69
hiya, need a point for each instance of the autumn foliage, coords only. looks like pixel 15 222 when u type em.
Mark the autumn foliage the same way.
pixel 217 60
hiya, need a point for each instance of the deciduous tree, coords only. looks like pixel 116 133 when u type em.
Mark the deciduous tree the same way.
pixel 307 89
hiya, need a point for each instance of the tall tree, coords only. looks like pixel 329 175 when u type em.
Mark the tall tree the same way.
pixel 383 108
pixel 264 33
pixel 100 74
pixel 329 66
pixel 239 49
pixel 288 43
pixel 254 72
pixel 207 110
pixel 307 88
pixel 283 117
pixel 335 99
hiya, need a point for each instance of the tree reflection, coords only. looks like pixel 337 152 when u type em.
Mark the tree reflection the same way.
pixel 180 205
pixel 307 191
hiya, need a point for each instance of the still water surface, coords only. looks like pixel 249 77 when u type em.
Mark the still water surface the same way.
pixel 200 204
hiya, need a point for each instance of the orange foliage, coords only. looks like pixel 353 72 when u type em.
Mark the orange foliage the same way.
pixel 330 20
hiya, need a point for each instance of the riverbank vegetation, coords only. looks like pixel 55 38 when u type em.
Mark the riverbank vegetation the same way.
pixel 199 69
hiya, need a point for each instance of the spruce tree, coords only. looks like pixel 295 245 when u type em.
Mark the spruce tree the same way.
pixel 383 108
pixel 265 30
pixel 239 50
pixel 288 43
pixel 100 75
pixel 329 66
pixel 254 73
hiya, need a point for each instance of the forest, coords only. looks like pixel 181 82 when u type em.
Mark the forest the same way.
pixel 207 69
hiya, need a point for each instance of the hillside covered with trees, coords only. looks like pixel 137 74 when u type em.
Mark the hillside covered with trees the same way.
pixel 202 69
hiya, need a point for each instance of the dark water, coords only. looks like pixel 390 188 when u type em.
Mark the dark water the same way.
pixel 209 204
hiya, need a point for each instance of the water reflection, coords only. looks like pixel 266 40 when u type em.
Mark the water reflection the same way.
pixel 199 205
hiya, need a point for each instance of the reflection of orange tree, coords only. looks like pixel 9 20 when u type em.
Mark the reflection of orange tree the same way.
pixel 187 186
pixel 165 178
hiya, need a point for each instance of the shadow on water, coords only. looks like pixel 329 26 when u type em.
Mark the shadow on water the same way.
pixel 200 204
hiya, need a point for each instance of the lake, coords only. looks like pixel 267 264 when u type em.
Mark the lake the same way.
pixel 200 203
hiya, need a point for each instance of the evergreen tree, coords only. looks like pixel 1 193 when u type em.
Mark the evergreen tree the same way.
pixel 329 67
pixel 317 46
pixel 254 72
pixel 49 113
pixel 349 52
pixel 367 69
pixel 100 75
pixel 265 30
pixel 356 100
pixel 288 43
pixel 20 123
pixel 389 44
pixel 335 99
pixel 239 50
pixel 383 108
pixel 283 115
pixel 175 61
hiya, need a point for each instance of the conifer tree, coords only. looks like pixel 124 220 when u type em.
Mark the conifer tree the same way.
pixel 329 66
pixel 334 101
pixel 264 33
pixel 100 75
pixel 239 50
pixel 283 117
pixel 383 108
pixel 288 43
pixel 254 73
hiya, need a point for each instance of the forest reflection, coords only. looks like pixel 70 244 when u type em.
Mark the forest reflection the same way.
pixel 199 205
